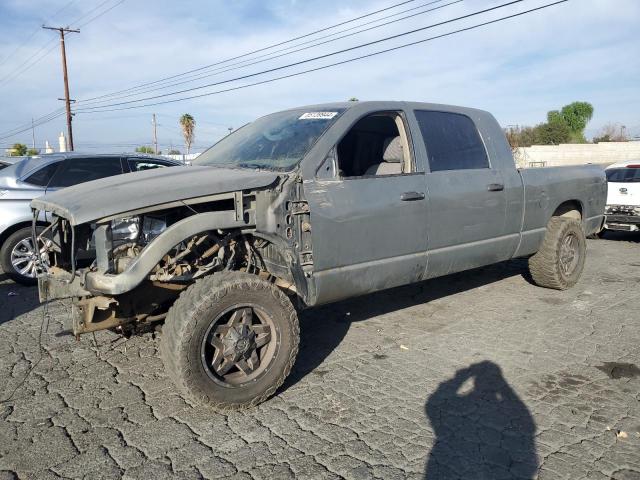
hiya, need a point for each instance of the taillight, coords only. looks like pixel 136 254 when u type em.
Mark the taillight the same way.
pixel 633 166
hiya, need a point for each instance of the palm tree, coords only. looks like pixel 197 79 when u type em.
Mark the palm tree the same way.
pixel 188 125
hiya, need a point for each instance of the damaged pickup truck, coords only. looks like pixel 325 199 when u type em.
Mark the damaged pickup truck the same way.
pixel 301 208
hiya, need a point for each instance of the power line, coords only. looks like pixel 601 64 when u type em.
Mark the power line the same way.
pixel 58 112
pixel 19 47
pixel 55 113
pixel 272 56
pixel 319 57
pixel 379 52
pixel 45 119
pixel 101 13
pixel 268 47
pixel 20 70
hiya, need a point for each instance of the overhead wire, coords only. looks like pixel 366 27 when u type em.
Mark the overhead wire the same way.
pixel 312 59
pixel 262 49
pixel 379 52
pixel 274 55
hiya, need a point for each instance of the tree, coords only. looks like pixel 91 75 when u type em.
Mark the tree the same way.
pixel 174 152
pixel 575 116
pixel 611 133
pixel 33 151
pixel 353 99
pixel 18 150
pixel 551 133
pixel 145 149
pixel 188 125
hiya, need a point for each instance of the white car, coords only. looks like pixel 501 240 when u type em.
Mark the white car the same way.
pixel 623 200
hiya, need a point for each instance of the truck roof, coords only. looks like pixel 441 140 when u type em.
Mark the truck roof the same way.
pixel 390 105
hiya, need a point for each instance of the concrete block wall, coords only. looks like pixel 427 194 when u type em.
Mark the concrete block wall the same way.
pixel 577 154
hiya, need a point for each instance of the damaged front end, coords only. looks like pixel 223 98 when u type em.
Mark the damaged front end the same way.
pixel 126 270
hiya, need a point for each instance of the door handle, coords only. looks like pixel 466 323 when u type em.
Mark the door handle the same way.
pixel 495 187
pixel 411 196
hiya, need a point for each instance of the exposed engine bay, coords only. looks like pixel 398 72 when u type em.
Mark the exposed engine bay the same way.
pixel 127 271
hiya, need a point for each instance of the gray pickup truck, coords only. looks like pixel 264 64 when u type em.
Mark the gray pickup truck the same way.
pixel 301 208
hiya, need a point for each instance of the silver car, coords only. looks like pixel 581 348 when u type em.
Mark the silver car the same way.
pixel 31 177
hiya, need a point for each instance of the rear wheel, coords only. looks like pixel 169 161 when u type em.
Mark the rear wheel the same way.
pixel 19 257
pixel 230 340
pixel 560 260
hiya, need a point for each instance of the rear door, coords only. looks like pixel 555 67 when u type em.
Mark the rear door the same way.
pixel 465 194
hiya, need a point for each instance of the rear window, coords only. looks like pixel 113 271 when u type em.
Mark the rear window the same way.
pixel 452 141
pixel 623 175
pixel 42 177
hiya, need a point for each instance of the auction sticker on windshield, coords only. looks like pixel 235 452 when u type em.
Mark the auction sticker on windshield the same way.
pixel 317 115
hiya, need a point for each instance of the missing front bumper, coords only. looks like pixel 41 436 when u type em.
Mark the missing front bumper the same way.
pixel 58 283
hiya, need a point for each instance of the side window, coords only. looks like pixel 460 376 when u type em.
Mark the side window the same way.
pixel 452 141
pixel 80 170
pixel 138 164
pixel 43 176
pixel 375 146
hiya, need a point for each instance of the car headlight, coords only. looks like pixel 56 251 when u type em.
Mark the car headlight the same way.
pixel 127 228
pixel 152 227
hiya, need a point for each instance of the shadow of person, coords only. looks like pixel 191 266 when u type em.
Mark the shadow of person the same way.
pixel 483 430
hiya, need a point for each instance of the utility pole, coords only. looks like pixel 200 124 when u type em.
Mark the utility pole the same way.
pixel 33 135
pixel 155 135
pixel 67 100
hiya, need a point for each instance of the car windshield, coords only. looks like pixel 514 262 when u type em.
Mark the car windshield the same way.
pixel 275 142
pixel 623 175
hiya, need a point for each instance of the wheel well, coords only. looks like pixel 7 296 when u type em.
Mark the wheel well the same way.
pixel 570 209
pixel 14 228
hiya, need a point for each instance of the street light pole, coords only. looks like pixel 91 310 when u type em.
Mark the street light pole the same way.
pixel 67 100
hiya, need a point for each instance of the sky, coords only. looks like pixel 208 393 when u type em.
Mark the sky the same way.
pixel 519 69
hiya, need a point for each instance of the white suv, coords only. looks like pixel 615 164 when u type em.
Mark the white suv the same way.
pixel 623 200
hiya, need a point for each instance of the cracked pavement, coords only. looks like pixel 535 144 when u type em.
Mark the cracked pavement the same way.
pixel 474 375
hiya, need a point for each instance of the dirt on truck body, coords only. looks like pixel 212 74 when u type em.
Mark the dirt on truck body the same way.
pixel 299 208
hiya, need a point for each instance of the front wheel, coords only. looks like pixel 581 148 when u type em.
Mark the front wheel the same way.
pixel 560 260
pixel 19 257
pixel 230 340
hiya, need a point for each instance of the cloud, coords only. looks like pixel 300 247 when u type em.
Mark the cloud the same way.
pixel 518 69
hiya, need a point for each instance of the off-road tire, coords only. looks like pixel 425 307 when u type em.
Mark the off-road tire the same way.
pixel 545 265
pixel 189 319
pixel 5 256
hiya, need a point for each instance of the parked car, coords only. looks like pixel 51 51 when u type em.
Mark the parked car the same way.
pixel 623 199
pixel 31 177
pixel 306 207
pixel 7 161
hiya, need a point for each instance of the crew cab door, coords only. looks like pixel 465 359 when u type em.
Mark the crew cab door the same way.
pixel 465 193
pixel 368 211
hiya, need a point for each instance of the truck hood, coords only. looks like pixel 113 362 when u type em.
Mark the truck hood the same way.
pixel 120 194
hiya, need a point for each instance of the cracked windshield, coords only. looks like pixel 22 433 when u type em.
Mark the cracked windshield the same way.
pixel 275 142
